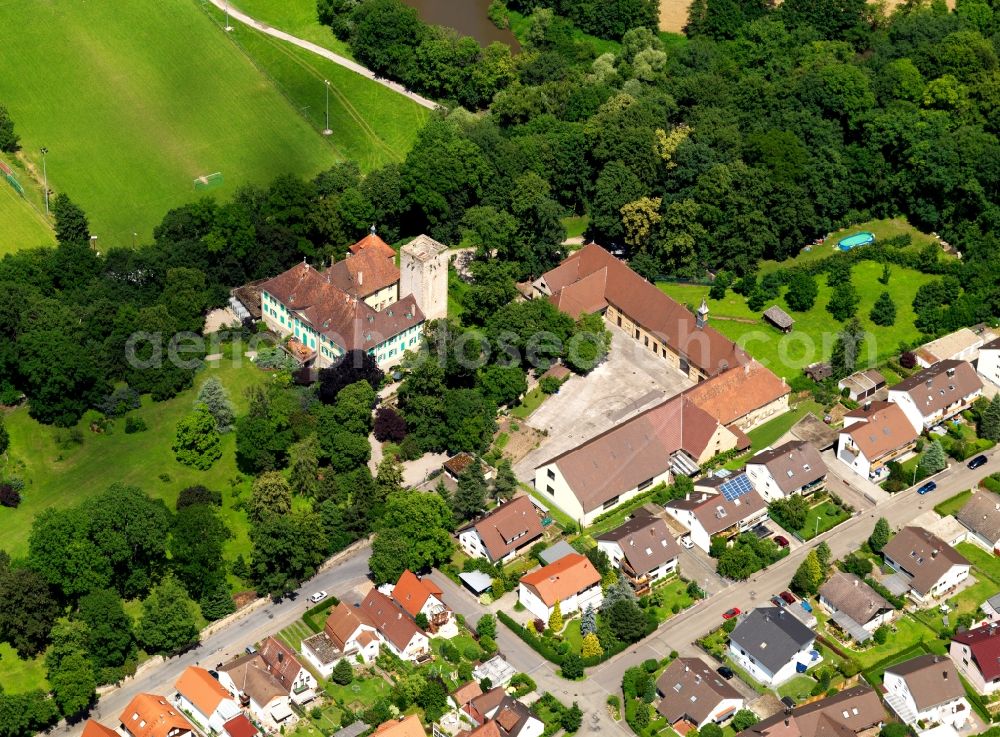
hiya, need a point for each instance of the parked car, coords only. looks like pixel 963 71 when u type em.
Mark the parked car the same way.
pixel 778 602
pixel 734 612
pixel 806 605
pixel 725 671
pixel 781 541
pixel 788 701
pixel 927 488
pixel 788 596
pixel 250 650
pixel 977 462
pixel 687 542
pixel 318 597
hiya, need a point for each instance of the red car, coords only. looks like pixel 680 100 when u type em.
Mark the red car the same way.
pixel 734 612
pixel 788 596
pixel 781 541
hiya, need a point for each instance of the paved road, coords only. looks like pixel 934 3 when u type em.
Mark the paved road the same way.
pixel 242 17
pixel 350 572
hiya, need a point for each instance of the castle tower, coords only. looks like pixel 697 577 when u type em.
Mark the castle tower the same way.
pixel 423 272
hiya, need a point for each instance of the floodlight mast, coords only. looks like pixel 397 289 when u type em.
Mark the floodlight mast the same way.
pixel 327 131
pixel 45 175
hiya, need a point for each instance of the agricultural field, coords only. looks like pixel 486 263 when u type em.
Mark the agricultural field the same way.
pixel 166 97
pixel 60 472
pixel 815 331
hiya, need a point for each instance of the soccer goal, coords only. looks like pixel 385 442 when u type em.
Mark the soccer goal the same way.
pixel 208 181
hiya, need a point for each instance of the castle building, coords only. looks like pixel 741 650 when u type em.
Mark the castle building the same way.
pixel 359 303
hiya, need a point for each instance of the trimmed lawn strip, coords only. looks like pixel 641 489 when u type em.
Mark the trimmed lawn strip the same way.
pixel 529 403
pixel 986 564
pixel 953 504
pixel 819 519
pixel 297 17
pixel 765 435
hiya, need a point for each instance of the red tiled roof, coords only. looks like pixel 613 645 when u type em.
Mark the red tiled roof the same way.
pixel 372 241
pixel 240 726
pixel 735 393
pixel 408 727
pixel 281 660
pixel 884 429
pixel 590 279
pixel 148 715
pixel 464 694
pixel 201 689
pixel 984 642
pixel 343 622
pixel 501 529
pixel 412 592
pixel 389 618
pixel 94 728
pixel 560 580
pixel 364 273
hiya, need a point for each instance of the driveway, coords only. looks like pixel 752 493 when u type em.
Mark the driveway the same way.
pixel 853 489
pixel 696 565
pixel 629 381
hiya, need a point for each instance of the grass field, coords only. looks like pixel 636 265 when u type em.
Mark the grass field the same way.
pixel 164 97
pixel 61 476
pixel 18 676
pixel 953 504
pixel 297 17
pixel 815 331
pixel 21 226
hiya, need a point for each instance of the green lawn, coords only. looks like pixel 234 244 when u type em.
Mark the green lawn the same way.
pixel 765 435
pixel 519 26
pixel 21 226
pixel 953 504
pixel 163 97
pixel 62 476
pixel 529 403
pixel 798 687
pixel 295 633
pixel 909 632
pixel 674 592
pixel 986 564
pixel 361 693
pixel 371 124
pixel 815 331
pixel 297 17
pixel 18 676
pixel 821 518
pixel 576 225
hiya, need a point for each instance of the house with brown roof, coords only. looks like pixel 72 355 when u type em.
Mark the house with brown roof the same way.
pixel 742 397
pixel 981 517
pixel 240 726
pixel 854 606
pixel 976 653
pixel 873 436
pixel 779 318
pixel 674 437
pixel 853 711
pixel 862 385
pixel 93 728
pixel 250 681
pixel 402 727
pixel 572 582
pixel 480 709
pixel 692 694
pixel 396 628
pixel 938 393
pixel 643 549
pixel 149 715
pixel 422 596
pixel 463 695
pixel 347 634
pixel 592 280
pixel 962 345
pixel 926 566
pixel 204 698
pixel 283 665
pixel 794 468
pixel 503 534
pixel 705 515
pixel 926 689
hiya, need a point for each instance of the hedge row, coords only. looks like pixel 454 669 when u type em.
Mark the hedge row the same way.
pixel 897 601
pixel 311 617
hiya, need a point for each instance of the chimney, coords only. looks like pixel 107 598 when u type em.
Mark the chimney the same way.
pixel 856 582
pixel 687 497
pixel 281 656
pixel 361 278
pixel 934 553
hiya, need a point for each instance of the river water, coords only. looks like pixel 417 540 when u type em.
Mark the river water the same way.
pixel 468 17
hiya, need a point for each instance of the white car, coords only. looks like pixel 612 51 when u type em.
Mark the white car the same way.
pixel 318 597
pixel 686 542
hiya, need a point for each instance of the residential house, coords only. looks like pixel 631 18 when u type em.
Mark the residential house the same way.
pixel 204 698
pixel 862 385
pixel 462 696
pixel 93 728
pixel 692 694
pixel 642 549
pixel 514 719
pixel 988 365
pixel 742 397
pixel 240 726
pixel 149 715
pixel 981 516
pixel 926 689
pixel 503 534
pixel 873 436
pixel 991 610
pixel 976 653
pixel 926 566
pixel 790 469
pixel 348 633
pixel 248 679
pixel 964 344
pixel 674 437
pixel 396 628
pixel 402 727
pixel 572 582
pixel 854 606
pixel 481 708
pixel 935 394
pixel 592 280
pixel 422 596
pixel 853 711
pixel 771 645
pixel 283 665
pixel 708 515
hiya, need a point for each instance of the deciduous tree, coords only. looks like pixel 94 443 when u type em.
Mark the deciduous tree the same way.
pixel 197 443
pixel 28 608
pixel 809 576
pixel 167 623
pixel 880 535
pixel 110 640
pixel 883 312
pixel 270 497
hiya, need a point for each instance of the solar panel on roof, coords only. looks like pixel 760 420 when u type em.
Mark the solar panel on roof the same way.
pixel 736 487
